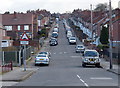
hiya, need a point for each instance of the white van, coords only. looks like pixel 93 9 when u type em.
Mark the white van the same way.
pixel 69 34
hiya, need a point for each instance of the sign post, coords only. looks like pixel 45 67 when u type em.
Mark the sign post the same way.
pixel 24 41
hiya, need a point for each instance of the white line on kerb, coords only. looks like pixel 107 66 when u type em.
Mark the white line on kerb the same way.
pixel 82 81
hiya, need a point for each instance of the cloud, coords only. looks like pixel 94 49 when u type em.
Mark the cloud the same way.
pixel 50 5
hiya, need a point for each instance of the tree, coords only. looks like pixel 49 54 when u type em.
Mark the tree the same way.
pixel 43 32
pixel 101 7
pixel 104 35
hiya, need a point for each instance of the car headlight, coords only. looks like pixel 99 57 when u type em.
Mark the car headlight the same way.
pixel 86 59
pixel 97 60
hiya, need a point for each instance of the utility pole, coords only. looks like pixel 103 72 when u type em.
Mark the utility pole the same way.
pixel 91 21
pixel 110 34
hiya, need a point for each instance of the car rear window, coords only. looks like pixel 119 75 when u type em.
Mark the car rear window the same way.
pixel 43 53
pixel 41 56
pixel 72 38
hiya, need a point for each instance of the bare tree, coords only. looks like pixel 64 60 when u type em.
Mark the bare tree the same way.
pixel 101 7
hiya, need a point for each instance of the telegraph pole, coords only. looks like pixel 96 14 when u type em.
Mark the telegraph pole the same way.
pixel 91 21
pixel 110 34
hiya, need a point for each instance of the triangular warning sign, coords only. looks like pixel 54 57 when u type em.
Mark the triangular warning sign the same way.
pixel 24 37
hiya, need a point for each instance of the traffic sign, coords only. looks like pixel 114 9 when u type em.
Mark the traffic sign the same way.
pixel 24 37
pixel 24 42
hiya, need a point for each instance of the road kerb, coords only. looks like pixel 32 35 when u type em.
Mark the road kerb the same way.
pixel 26 76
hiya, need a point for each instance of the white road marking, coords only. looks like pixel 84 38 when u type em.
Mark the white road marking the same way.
pixel 82 81
pixel 60 53
pixel 101 78
pixel 8 83
pixel 75 56
pixel 54 53
pixel 65 52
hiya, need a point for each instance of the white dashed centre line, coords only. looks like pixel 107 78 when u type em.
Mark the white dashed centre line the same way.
pixel 82 81
pixel 75 56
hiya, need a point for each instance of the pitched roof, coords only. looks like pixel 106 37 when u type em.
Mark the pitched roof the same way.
pixel 17 18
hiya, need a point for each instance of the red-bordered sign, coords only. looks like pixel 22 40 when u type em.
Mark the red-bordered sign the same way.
pixel 24 37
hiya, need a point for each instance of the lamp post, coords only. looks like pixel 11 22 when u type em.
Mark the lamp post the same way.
pixel 110 34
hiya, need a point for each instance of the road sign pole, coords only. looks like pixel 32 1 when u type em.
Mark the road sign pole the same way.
pixel 24 40
pixel 24 57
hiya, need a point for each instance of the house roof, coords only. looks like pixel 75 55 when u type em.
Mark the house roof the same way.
pixel 17 18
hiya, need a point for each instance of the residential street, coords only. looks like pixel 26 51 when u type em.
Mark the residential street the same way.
pixel 66 69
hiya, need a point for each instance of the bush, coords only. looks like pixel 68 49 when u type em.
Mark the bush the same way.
pixel 102 46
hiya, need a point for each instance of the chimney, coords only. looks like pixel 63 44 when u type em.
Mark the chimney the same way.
pixel 15 15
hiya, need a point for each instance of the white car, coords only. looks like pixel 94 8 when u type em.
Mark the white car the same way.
pixel 56 30
pixel 91 57
pixel 72 40
pixel 79 48
pixel 41 59
pixel 46 53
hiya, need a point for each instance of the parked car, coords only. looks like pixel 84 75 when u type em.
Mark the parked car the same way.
pixel 45 53
pixel 53 43
pixel 91 57
pixel 56 30
pixel 52 38
pixel 80 48
pixel 41 59
pixel 72 40
pixel 69 34
pixel 54 34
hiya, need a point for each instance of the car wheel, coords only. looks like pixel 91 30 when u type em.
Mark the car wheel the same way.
pixel 35 64
pixel 97 65
pixel 83 64
pixel 47 64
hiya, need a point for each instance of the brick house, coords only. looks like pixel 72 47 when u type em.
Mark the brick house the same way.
pixel 17 23
pixel 5 41
pixel 116 28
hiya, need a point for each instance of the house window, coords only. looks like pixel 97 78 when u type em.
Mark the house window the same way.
pixel 8 28
pixel 18 27
pixel 26 27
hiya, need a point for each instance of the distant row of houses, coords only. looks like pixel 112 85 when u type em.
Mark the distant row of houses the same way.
pixel 100 18
pixel 12 25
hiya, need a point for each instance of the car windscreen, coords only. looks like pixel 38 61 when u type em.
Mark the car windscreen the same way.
pixel 91 54
pixel 80 47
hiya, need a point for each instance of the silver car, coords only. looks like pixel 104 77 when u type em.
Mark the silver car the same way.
pixel 91 57
pixel 79 48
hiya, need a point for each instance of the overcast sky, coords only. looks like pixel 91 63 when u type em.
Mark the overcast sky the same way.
pixel 50 5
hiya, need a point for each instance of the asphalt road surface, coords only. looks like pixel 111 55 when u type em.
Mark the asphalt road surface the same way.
pixel 66 69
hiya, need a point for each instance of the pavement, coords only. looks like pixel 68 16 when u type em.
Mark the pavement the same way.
pixel 18 74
